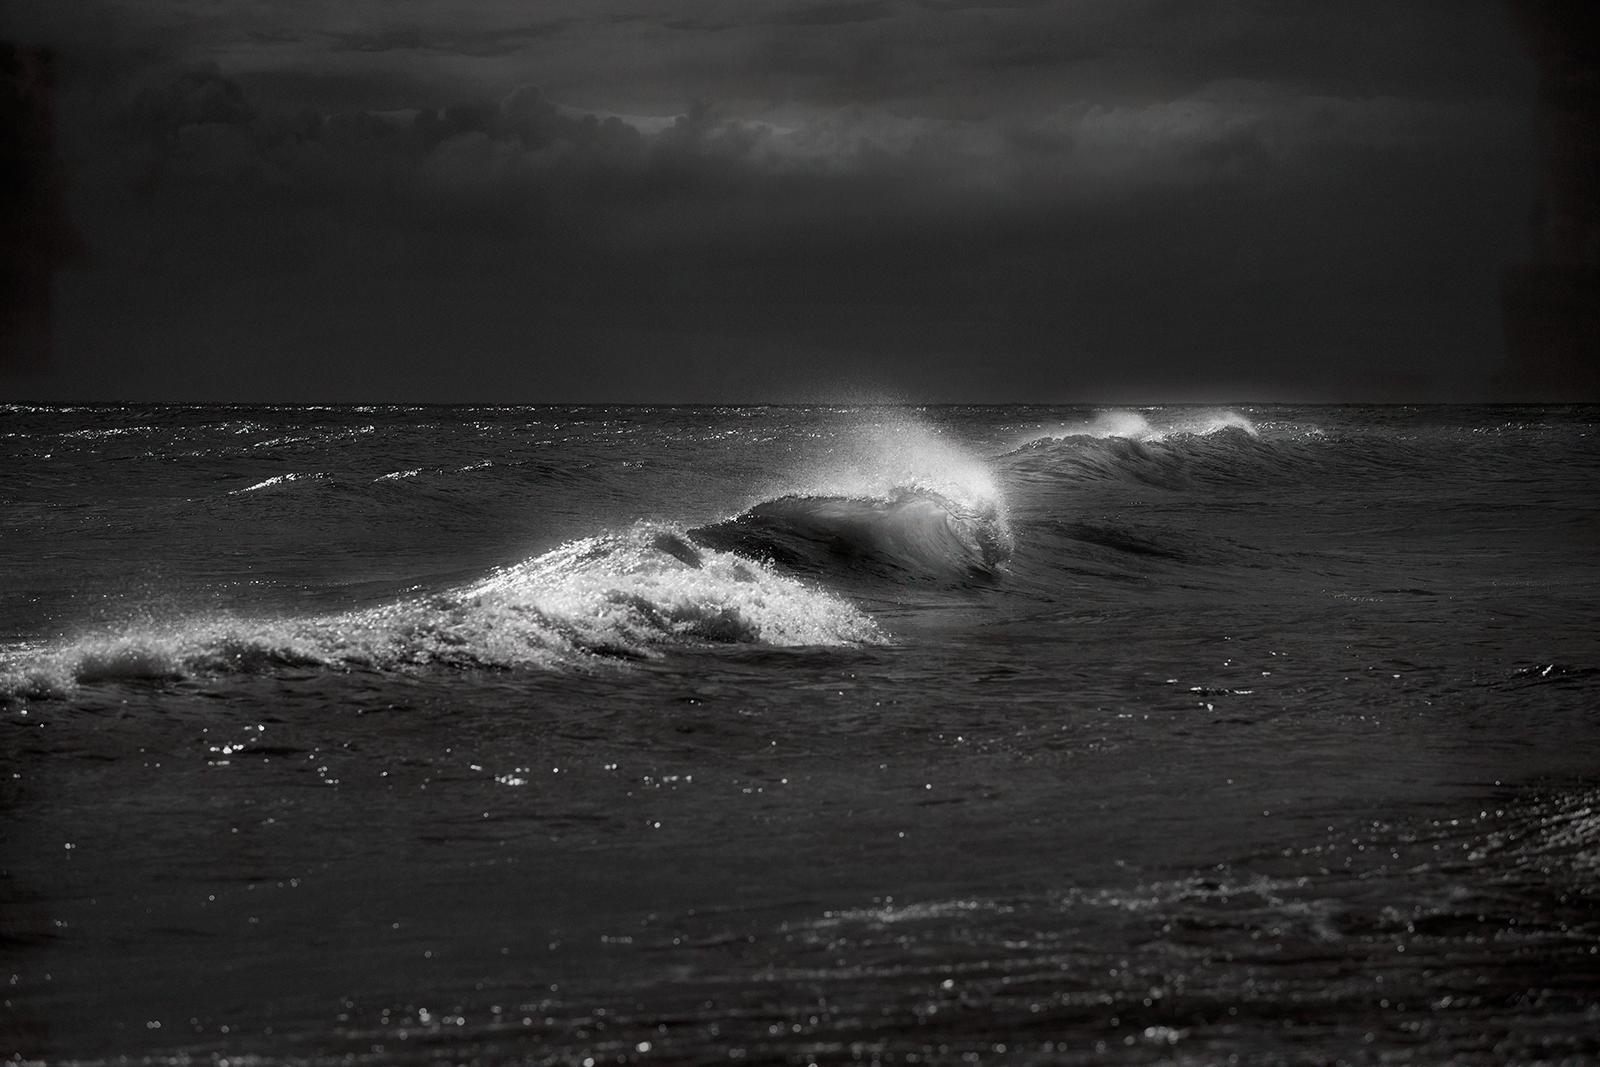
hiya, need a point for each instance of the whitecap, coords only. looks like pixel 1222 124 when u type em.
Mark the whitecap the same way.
pixel 620 595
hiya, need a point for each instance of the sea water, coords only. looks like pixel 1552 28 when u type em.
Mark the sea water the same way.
pixel 782 734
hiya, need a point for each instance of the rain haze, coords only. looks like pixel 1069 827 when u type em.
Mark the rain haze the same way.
pixel 924 200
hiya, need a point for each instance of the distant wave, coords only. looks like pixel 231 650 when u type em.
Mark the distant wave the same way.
pixel 1163 464
pixel 617 595
pixel 1133 426
pixel 1215 449
pixel 1201 448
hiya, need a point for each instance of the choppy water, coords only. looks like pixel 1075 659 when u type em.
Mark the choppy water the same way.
pixel 373 735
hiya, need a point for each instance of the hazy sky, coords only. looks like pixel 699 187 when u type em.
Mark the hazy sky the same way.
pixel 553 200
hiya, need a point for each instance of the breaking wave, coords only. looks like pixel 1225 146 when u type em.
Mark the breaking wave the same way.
pixel 891 502
pixel 624 595
pixel 909 532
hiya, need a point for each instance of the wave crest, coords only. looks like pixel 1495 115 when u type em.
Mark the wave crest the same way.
pixel 1206 447
pixel 910 532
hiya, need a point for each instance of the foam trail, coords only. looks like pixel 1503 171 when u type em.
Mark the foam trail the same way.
pixel 282 479
pixel 624 595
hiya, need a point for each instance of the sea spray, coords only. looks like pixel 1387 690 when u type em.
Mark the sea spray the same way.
pixel 893 495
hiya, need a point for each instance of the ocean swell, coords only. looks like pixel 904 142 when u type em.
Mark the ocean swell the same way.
pixel 1194 448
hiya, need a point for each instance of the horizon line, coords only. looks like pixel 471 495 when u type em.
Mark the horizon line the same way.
pixel 1542 402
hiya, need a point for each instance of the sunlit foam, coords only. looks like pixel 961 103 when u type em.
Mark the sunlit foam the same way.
pixel 624 595
pixel 651 584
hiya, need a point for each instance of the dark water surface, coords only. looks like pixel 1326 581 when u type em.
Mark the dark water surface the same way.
pixel 488 735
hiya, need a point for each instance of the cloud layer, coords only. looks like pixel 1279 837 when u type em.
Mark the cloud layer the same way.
pixel 934 199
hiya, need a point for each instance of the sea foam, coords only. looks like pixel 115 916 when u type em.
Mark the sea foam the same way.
pixel 620 595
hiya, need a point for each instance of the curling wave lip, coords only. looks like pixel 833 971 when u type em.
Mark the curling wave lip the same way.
pixel 911 532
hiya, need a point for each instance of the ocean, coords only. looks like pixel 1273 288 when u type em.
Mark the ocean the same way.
pixel 596 735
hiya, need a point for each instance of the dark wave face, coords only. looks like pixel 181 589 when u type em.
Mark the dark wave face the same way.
pixel 912 534
pixel 412 734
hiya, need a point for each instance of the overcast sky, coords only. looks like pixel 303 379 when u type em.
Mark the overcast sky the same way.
pixel 721 200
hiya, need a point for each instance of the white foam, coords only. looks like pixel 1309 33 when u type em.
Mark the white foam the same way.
pixel 625 594
pixel 115 431
pixel 650 583
pixel 281 479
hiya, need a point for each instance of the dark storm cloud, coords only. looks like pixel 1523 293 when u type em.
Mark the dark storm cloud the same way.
pixel 414 38
pixel 982 200
pixel 834 14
